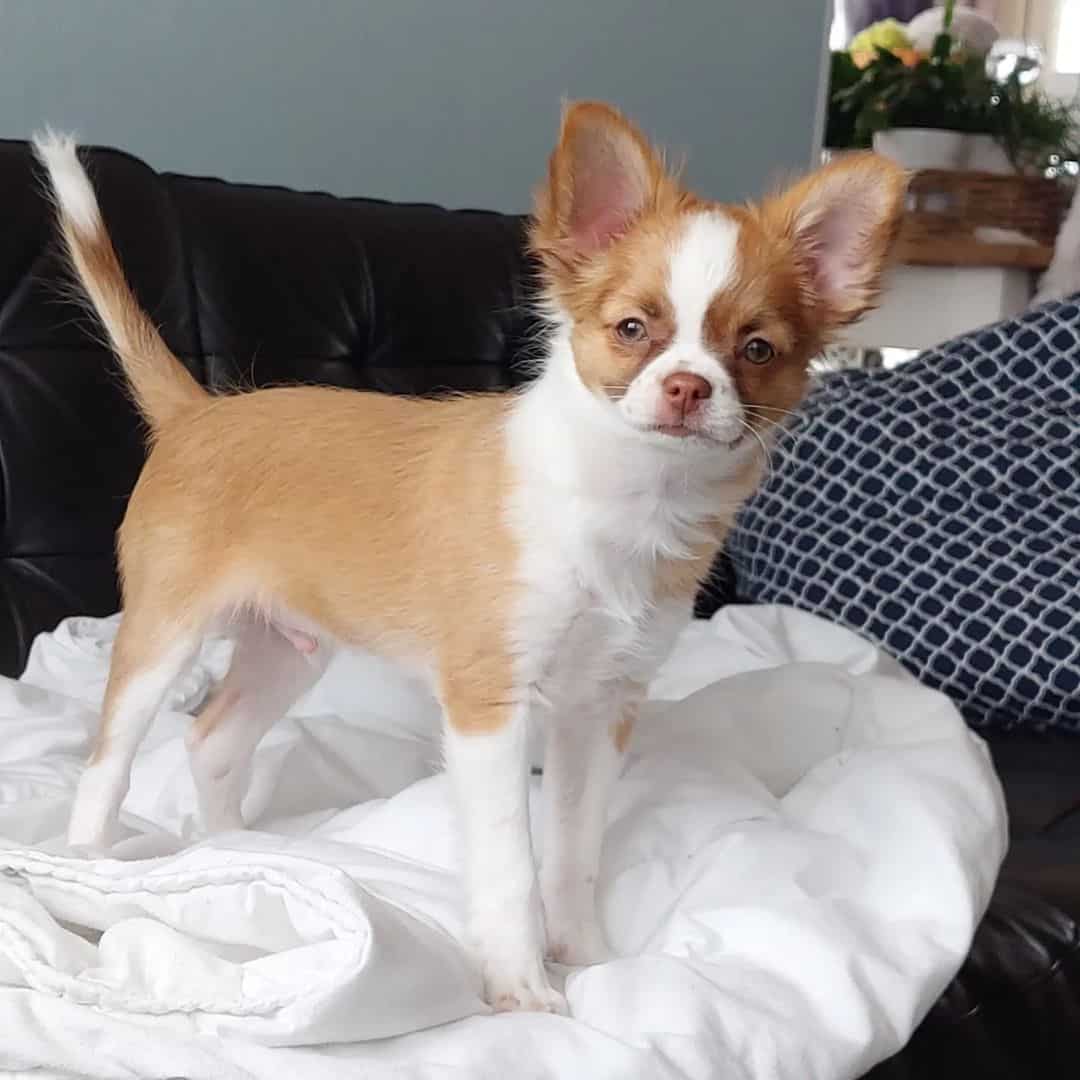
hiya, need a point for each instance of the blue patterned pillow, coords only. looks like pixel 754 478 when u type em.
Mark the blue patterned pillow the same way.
pixel 936 510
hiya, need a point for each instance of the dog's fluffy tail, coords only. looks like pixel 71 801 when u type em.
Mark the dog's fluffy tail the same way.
pixel 162 387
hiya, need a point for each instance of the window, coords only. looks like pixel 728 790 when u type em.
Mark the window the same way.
pixel 1067 52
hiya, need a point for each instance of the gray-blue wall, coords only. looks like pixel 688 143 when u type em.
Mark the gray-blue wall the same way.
pixel 452 101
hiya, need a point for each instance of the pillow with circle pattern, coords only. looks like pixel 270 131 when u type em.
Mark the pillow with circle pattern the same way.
pixel 935 509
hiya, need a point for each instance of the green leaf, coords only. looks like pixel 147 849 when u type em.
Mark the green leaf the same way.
pixel 887 58
pixel 943 45
pixel 942 92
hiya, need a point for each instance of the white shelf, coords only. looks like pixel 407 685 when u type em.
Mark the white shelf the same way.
pixel 926 305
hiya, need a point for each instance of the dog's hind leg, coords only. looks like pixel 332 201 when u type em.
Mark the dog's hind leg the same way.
pixel 269 671
pixel 148 655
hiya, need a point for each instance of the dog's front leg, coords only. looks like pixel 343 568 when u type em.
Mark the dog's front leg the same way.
pixel 487 759
pixel 583 759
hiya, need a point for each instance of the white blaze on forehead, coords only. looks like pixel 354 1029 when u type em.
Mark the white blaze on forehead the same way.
pixel 702 264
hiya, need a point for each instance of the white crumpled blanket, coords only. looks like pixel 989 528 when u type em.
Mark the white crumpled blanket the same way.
pixel 798 853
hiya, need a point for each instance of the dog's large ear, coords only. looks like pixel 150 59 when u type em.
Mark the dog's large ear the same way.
pixel 602 175
pixel 842 221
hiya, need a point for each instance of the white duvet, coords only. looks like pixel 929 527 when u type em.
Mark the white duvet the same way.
pixel 798 853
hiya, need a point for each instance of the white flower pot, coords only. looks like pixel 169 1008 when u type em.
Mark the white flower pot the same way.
pixel 985 155
pixel 923 148
pixel 936 148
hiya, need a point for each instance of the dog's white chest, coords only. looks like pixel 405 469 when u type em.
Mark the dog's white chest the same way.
pixel 596 515
pixel 588 615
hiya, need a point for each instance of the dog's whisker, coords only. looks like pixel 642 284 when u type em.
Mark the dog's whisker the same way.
pixel 761 442
pixel 788 423
pixel 771 408
pixel 775 425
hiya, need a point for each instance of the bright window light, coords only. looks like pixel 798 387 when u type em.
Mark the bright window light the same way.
pixel 893 358
pixel 838 32
pixel 1067 58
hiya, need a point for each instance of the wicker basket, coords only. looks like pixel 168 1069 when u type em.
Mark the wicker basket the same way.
pixel 965 218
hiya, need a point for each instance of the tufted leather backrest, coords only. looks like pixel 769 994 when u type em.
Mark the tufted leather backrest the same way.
pixel 251 286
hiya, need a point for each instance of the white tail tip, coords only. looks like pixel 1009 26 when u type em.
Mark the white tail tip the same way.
pixel 71 186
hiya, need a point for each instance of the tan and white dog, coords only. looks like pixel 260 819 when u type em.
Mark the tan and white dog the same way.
pixel 531 551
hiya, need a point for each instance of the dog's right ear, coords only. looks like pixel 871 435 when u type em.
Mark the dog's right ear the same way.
pixel 602 175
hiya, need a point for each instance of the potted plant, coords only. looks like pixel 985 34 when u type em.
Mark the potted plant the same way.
pixel 941 108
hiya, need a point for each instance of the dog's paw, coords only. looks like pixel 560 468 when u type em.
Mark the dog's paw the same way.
pixel 516 980
pixel 523 994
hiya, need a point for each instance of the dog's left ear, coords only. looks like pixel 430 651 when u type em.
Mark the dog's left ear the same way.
pixel 842 221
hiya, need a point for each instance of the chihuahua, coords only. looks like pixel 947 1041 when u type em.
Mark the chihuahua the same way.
pixel 528 553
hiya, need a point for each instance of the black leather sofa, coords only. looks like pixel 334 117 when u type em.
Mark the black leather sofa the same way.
pixel 256 285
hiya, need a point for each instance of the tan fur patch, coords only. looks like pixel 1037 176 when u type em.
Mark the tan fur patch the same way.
pixel 368 543
pixel 622 730
pixel 629 282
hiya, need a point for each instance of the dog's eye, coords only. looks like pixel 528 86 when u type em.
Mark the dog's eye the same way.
pixel 631 331
pixel 758 351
